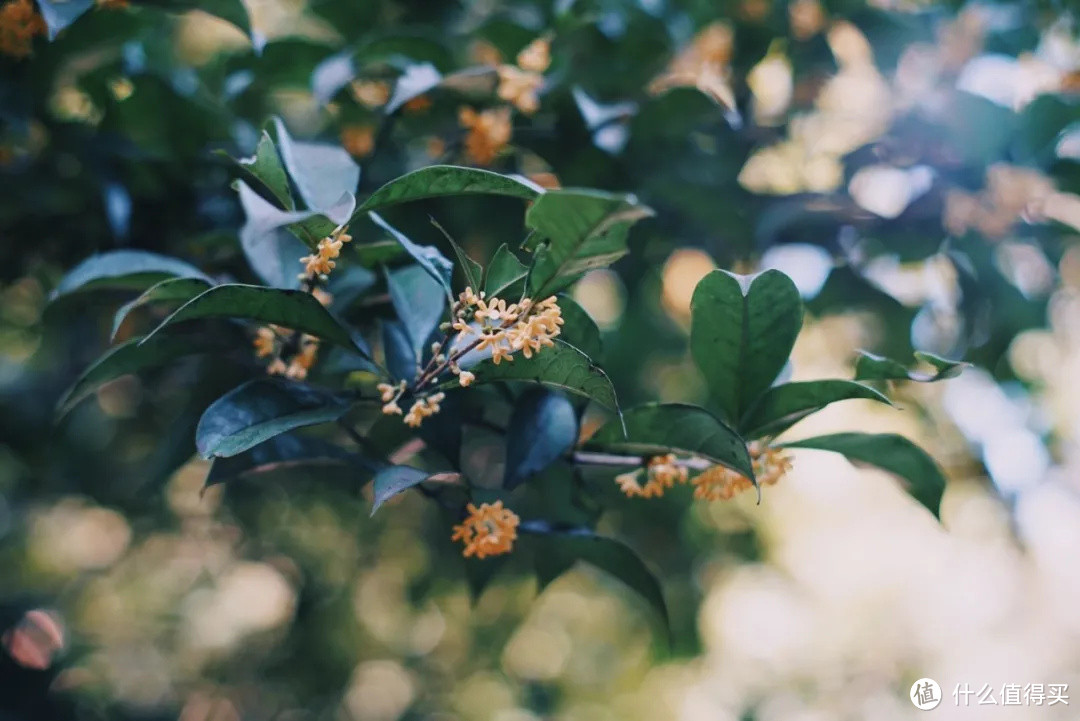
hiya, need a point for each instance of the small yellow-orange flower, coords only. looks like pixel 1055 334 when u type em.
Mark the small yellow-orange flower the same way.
pixel 720 483
pixel 489 132
pixel 489 530
pixel 358 140
pixel 660 472
pixel 322 261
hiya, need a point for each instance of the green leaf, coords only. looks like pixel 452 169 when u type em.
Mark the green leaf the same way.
pixel 742 331
pixel 504 273
pixel 784 405
pixel 261 409
pixel 561 366
pixel 470 269
pixel 170 289
pixel 558 549
pixel 266 169
pixel 429 257
pixel 576 231
pixel 59 14
pixel 543 426
pixel 124 270
pixel 659 428
pixel 375 253
pixel 890 452
pixel 131 357
pixel 419 302
pixel 287 450
pixel 289 308
pixel 870 367
pixel 579 329
pixel 437 181
pixel 325 175
pixel 392 480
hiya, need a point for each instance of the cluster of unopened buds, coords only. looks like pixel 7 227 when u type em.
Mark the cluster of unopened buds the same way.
pixel 713 484
pixel 488 530
pixel 322 261
pixel 280 344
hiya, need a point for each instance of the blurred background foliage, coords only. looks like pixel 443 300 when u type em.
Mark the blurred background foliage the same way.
pixel 914 166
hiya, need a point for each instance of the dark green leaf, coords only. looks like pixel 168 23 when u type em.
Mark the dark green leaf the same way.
pixel 401 358
pixel 124 270
pixel 870 367
pixel 576 231
pixel 392 480
pixel 282 451
pixel 265 167
pixel 890 452
pixel 505 275
pixel 58 15
pixel 562 367
pixel 579 329
pixel 441 180
pixel 132 357
pixel 656 429
pixel 170 289
pixel 261 409
pixel 470 269
pixel 558 548
pixel 289 308
pixel 784 405
pixel 543 426
pixel 742 331
pixel 429 257
pixel 419 302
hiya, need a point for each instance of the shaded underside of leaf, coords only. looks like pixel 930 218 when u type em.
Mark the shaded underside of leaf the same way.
pixel 923 478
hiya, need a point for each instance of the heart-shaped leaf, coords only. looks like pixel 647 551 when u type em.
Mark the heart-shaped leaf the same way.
pixel 543 426
pixel 289 308
pixel 659 428
pixel 784 405
pixel 261 409
pixel 575 231
pixel 742 331
pixel 923 479
pixel 441 180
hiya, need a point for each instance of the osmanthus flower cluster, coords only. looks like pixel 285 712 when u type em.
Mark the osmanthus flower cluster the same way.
pixel 480 324
pixel 20 23
pixel 714 483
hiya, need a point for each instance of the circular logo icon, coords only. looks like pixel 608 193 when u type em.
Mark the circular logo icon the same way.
pixel 925 694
